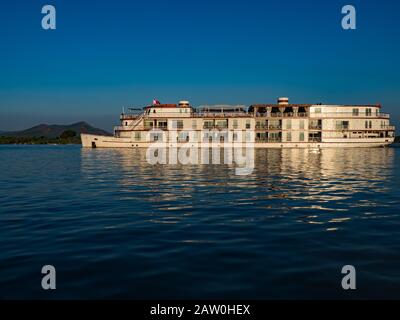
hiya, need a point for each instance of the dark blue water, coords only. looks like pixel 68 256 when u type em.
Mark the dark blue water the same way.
pixel 115 226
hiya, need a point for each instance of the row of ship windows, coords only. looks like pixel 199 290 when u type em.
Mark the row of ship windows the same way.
pixel 355 111
pixel 259 137
pixel 178 124
pixel 272 136
pixel 343 125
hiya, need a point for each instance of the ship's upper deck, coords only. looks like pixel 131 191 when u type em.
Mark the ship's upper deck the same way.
pixel 281 109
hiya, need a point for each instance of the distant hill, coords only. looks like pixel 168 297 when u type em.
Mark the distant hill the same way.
pixel 55 130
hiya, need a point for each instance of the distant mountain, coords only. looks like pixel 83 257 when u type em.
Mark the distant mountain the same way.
pixel 55 130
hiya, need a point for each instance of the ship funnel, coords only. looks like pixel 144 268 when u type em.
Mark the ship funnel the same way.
pixel 283 101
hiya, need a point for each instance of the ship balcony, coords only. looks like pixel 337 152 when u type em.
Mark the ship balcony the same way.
pixel 314 139
pixel 208 126
pixel 384 115
pixel 220 114
pixel 390 128
pixel 261 126
pixel 275 127
pixel 379 115
pixel 282 115
pixel 288 114
pixel 162 127
pixel 268 139
pixel 302 114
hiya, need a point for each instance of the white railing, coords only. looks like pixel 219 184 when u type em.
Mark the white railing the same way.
pixel 349 115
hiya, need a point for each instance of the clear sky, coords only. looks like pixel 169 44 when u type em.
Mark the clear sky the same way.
pixel 108 54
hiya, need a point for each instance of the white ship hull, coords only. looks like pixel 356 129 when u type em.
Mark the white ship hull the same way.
pixel 98 141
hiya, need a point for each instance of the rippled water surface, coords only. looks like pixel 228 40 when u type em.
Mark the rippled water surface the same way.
pixel 115 226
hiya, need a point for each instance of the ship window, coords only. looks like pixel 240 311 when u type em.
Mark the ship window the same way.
pixel 289 136
pixel 183 136
pixel 155 136
pixel 162 124
pixel 366 124
pixel 247 124
pixel 355 112
pixel 154 111
pixel 177 124
pixel 126 123
pixel 222 124
pixel 301 136
pixel 368 112
pixel 148 124
pixel 342 125
pixel 208 124
pixel 235 137
pixel 301 124
pixel 194 124
pixel 137 135
pixel 235 124
pixel 317 110
pixel 288 124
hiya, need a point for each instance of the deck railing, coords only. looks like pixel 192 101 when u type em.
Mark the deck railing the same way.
pixel 220 114
pixel 349 115
pixel 129 116
pixel 315 127
pixel 275 127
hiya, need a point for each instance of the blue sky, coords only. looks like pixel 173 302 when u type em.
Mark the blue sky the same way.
pixel 109 54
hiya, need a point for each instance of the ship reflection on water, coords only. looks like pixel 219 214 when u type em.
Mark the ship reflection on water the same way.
pixel 325 184
pixel 284 231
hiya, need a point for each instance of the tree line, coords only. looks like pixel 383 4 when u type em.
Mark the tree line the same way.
pixel 67 137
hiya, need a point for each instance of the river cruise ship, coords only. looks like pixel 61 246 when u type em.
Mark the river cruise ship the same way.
pixel 280 125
